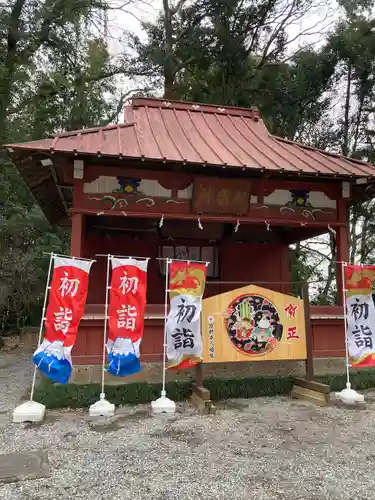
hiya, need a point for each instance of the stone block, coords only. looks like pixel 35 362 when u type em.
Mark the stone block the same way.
pixel 80 374
pixel 95 376
pixel 329 366
pixel 23 466
pixel 152 372
pixel 130 379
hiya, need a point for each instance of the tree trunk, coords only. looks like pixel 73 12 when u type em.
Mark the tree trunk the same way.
pixel 359 115
pixel 9 65
pixel 331 267
pixel 364 237
pixel 345 141
pixel 353 236
pixel 5 86
pixel 168 73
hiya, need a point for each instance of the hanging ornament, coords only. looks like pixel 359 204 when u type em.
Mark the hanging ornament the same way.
pixel 236 227
pixel 268 226
pixel 161 221
pixel 199 223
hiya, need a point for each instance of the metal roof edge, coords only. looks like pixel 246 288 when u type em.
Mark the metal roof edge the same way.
pixel 324 152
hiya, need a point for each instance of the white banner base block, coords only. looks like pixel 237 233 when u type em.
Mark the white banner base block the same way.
pixel 30 411
pixel 163 405
pixel 102 408
pixel 349 396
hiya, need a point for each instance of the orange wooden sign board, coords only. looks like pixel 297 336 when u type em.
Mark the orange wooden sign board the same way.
pixel 225 196
pixel 253 324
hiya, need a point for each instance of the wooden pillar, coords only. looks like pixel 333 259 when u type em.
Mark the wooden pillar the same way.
pixel 76 246
pixel 199 375
pixel 308 329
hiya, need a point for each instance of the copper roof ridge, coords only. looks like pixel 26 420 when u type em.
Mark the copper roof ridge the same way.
pixel 324 152
pixel 92 130
pixel 252 112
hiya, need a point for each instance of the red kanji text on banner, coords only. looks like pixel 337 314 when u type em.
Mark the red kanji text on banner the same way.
pixel 126 315
pixel 67 299
pixel 360 314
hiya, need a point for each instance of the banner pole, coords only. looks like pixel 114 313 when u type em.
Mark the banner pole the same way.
pixel 163 392
pixel 70 257
pixel 348 395
pixel 164 404
pixel 52 255
pixel 103 408
pixel 31 411
pixel 102 395
pixel 343 264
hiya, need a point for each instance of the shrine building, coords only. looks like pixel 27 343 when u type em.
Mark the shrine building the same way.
pixel 192 181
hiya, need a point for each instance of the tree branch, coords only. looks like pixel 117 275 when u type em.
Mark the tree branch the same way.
pixel 177 7
pixel 14 26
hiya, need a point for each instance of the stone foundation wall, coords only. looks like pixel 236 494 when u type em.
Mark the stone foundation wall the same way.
pixel 151 372
pixel 26 341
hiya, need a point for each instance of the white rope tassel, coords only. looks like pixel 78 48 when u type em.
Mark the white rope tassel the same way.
pixel 268 226
pixel 236 227
pixel 161 221
pixel 200 224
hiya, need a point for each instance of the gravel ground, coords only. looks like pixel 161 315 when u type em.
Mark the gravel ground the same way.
pixel 264 449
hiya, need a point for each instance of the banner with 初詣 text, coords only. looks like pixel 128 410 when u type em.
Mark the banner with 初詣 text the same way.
pixel 360 314
pixel 67 299
pixel 126 312
pixel 184 339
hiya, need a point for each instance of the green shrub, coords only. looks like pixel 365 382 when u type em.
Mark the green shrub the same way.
pixel 82 396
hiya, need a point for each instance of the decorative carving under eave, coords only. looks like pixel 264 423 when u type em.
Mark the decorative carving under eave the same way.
pixel 110 202
pixel 297 203
pixel 309 212
pixel 129 186
pixel 135 202
pixel 289 212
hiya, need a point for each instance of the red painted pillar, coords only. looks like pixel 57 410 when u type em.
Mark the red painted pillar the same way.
pixel 76 246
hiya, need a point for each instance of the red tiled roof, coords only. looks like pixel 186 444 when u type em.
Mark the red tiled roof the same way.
pixel 189 133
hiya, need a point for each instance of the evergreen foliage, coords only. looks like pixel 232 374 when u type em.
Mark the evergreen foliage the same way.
pixel 59 71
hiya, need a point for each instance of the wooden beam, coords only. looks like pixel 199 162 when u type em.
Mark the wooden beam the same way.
pixel 316 397
pixel 311 384
pixel 205 217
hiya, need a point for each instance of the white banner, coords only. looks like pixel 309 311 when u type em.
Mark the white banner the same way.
pixel 360 312
pixel 184 327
